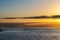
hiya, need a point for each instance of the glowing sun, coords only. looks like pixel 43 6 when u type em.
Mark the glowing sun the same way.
pixel 58 11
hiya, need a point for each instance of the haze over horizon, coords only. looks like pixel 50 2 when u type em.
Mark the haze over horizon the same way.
pixel 23 8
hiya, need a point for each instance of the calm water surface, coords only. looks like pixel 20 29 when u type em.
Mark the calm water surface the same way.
pixel 30 34
pixel 29 20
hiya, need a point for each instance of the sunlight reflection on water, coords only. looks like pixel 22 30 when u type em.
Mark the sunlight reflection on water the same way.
pixel 29 20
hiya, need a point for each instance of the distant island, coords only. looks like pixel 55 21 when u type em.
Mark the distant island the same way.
pixel 42 17
pixel 34 17
pixel 55 16
pixel 13 18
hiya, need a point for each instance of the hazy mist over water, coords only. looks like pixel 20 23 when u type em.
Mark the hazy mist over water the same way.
pixel 29 20
pixel 17 23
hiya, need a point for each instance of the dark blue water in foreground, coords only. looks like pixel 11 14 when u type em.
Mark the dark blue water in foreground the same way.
pixel 29 34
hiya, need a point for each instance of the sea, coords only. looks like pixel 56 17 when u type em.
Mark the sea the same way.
pixel 29 33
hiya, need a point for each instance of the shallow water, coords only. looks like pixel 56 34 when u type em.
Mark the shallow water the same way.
pixel 30 34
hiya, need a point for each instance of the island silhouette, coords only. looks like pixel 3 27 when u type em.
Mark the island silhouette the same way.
pixel 34 17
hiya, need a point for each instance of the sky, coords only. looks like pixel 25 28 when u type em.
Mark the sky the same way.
pixel 24 8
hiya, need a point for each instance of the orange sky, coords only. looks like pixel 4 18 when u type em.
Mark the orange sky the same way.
pixel 19 8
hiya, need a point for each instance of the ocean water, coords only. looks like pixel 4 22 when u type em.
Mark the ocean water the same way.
pixel 21 33
pixel 29 34
pixel 29 20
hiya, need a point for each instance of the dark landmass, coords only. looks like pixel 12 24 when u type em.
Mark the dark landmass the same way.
pixel 55 16
pixel 34 17
pixel 13 18
pixel 42 17
pixel 10 18
pixel 37 17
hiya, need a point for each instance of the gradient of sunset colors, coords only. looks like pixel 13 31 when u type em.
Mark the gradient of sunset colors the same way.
pixel 22 8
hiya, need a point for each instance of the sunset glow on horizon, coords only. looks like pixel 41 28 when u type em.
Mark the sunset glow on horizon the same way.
pixel 24 8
